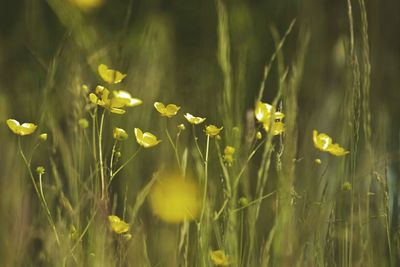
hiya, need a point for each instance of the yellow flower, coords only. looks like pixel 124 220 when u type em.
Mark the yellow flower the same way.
pixel 324 143
pixel 167 111
pixel 266 114
pixel 109 75
pixel 219 258
pixel 21 129
pixel 43 137
pixel 120 134
pixel 181 127
pixel 228 154
pixel 146 139
pixel 175 199
pixel 83 123
pixel 87 5
pixel 116 103
pixel 118 225
pixel 213 130
pixel 194 120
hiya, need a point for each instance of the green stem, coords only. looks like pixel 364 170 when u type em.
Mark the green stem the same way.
pixel 174 146
pixel 123 165
pixel 112 157
pixel 196 143
pixel 39 193
pixel 101 155
pixel 205 179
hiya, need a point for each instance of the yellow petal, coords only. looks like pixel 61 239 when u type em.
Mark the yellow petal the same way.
pixel 213 130
pixel 194 120
pixel 146 139
pixel 109 75
pixel 24 129
pixel 278 128
pixel 118 225
pixel 219 258
pixel 263 112
pixel 120 134
pixel 175 199
pixel 167 111
pixel 321 141
pixel 337 150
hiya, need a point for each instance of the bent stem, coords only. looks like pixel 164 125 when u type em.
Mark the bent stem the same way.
pixel 112 157
pixel 39 193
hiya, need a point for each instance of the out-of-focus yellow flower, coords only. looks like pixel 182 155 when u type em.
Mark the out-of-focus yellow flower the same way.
pixel 324 143
pixel 346 186
pixel 228 154
pixel 146 139
pixel 43 137
pixel 116 102
pixel 87 5
pixel 120 134
pixel 83 123
pixel 117 225
pixel 219 258
pixel 266 114
pixel 109 75
pixel 21 129
pixel 167 111
pixel 194 120
pixel 212 130
pixel 181 127
pixel 175 199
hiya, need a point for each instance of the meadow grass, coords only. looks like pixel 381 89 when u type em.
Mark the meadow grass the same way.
pixel 243 193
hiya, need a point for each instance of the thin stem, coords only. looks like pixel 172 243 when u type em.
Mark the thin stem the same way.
pixel 205 179
pixel 101 155
pixel 123 165
pixel 197 144
pixel 38 193
pixel 112 157
pixel 174 146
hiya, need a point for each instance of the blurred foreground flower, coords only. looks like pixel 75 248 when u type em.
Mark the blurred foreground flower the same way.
pixel 194 120
pixel 21 129
pixel 266 114
pixel 109 75
pixel 118 225
pixel 324 143
pixel 175 199
pixel 116 102
pixel 146 139
pixel 219 258
pixel 87 5
pixel 166 111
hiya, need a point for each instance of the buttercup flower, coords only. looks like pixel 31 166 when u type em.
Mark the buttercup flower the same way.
pixel 116 103
pixel 40 170
pixel 43 137
pixel 21 129
pixel 194 120
pixel 219 258
pixel 181 127
pixel 83 123
pixel 146 139
pixel 118 225
pixel 167 111
pixel 175 198
pixel 266 114
pixel 213 130
pixel 120 134
pixel 109 75
pixel 324 143
pixel 228 154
